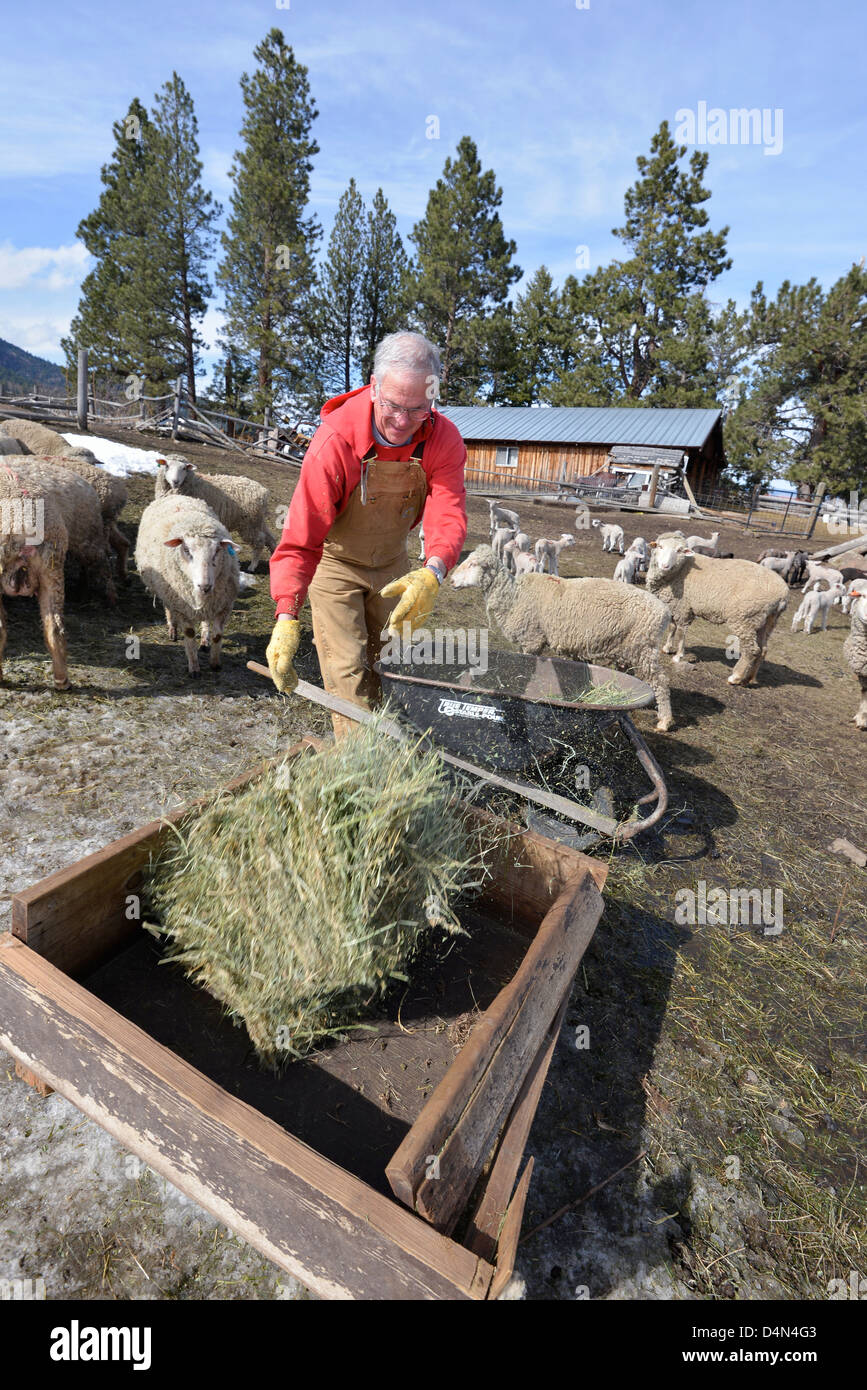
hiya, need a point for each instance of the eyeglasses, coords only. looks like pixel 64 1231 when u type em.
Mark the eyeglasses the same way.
pixel 414 412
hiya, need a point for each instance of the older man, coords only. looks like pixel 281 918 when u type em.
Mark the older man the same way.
pixel 381 460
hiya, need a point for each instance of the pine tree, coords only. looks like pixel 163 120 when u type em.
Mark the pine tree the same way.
pixel 464 271
pixel 173 258
pixel 539 332
pixel 641 327
pixel 383 282
pixel 339 288
pixel 267 272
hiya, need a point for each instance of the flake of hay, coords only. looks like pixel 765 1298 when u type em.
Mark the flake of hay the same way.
pixel 296 901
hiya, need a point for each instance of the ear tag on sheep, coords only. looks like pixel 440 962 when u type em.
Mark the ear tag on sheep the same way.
pixel 231 549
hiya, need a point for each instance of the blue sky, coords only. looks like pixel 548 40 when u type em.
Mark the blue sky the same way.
pixel 559 99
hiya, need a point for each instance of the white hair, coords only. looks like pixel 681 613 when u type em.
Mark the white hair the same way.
pixel 406 352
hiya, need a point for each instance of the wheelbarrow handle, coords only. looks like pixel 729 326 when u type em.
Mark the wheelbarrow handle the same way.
pixel 336 704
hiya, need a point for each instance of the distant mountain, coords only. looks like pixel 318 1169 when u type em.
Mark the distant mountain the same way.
pixel 20 371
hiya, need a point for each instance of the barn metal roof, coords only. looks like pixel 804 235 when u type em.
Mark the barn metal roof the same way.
pixel 561 424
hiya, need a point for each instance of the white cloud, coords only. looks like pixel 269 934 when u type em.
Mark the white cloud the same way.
pixel 64 265
pixel 35 333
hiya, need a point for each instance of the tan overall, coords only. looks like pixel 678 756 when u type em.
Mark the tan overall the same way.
pixel 363 551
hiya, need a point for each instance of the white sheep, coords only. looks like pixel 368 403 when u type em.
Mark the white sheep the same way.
pixel 592 620
pixel 525 563
pixel 739 594
pixel 519 544
pixel 814 570
pixel 502 516
pixel 814 602
pixel 80 507
pixel 548 553
pixel 33 545
pixel 640 548
pixel 240 503
pixel 627 567
pixel 704 545
pixel 186 558
pixel 857 589
pixel 501 538
pixel 855 652
pixel 612 534
pixel 780 564
pixel 111 492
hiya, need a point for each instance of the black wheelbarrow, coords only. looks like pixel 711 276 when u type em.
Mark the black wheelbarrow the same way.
pixel 511 717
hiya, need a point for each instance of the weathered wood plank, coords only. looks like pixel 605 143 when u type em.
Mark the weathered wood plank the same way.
pixel 309 1216
pixel 485 1226
pixel 511 1232
pixel 455 1124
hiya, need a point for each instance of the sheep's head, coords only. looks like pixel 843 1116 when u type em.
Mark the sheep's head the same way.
pixel 175 471
pixel 16 578
pixel 470 573
pixel 199 556
pixel 566 538
pixel 670 554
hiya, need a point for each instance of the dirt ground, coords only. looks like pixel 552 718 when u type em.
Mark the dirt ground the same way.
pixel 723 1064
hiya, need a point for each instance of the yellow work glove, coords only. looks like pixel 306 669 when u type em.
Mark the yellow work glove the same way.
pixel 417 592
pixel 280 651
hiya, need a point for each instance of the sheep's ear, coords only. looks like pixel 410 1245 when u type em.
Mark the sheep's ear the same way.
pixel 162 463
pixel 653 545
pixel 190 467
pixel 229 546
pixel 175 540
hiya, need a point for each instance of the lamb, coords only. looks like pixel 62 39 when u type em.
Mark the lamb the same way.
pixel 612 535
pixel 520 543
pixel 32 551
pixel 703 545
pixel 500 539
pixel 501 516
pixel 79 507
pixel 627 568
pixel 813 603
pixel 112 495
pixel 780 564
pixel 743 596
pixel 855 652
pixel 585 619
pixel 548 553
pixel 526 563
pixel 186 558
pixel 814 570
pixel 240 503
pixel 640 548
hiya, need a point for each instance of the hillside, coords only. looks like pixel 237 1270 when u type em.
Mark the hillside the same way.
pixel 20 371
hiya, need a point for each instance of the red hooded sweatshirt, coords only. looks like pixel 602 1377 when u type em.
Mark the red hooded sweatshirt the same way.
pixel 331 471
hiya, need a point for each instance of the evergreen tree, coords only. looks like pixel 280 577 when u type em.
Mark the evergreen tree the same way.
pixel 340 290
pixel 171 262
pixel 463 272
pixel 383 281
pixel 539 335
pixel 641 327
pixel 267 272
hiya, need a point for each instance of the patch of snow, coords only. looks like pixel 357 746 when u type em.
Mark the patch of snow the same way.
pixel 119 459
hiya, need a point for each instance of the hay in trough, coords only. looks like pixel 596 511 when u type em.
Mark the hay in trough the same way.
pixel 299 899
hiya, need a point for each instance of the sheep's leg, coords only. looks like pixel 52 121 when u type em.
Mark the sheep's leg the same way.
pixel 750 659
pixel 216 655
pixel 120 545
pixel 680 654
pixel 650 669
pixel 205 637
pixel 190 649
pixel 51 613
pixel 171 625
pixel 861 714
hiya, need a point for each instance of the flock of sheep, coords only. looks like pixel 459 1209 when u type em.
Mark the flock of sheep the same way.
pixel 186 558
pixel 184 552
pixel 611 622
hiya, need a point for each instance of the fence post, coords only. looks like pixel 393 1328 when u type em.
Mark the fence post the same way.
pixel 786 513
pixel 820 493
pixel 81 405
pixel 141 401
pixel 177 411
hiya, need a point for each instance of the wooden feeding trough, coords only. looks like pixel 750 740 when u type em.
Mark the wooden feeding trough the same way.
pixel 386 1166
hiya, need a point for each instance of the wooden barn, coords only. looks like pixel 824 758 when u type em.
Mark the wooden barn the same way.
pixel 528 447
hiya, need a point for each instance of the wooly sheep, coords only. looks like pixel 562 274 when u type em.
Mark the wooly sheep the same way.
pixel 9 446
pixel 240 503
pixel 32 551
pixel 585 619
pixel 186 558
pixel 739 594
pixel 612 534
pixel 813 603
pixel 79 506
pixel 548 553
pixel 112 495
pixel 855 652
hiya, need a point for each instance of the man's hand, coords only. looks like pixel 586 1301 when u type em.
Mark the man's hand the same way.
pixel 417 592
pixel 280 651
